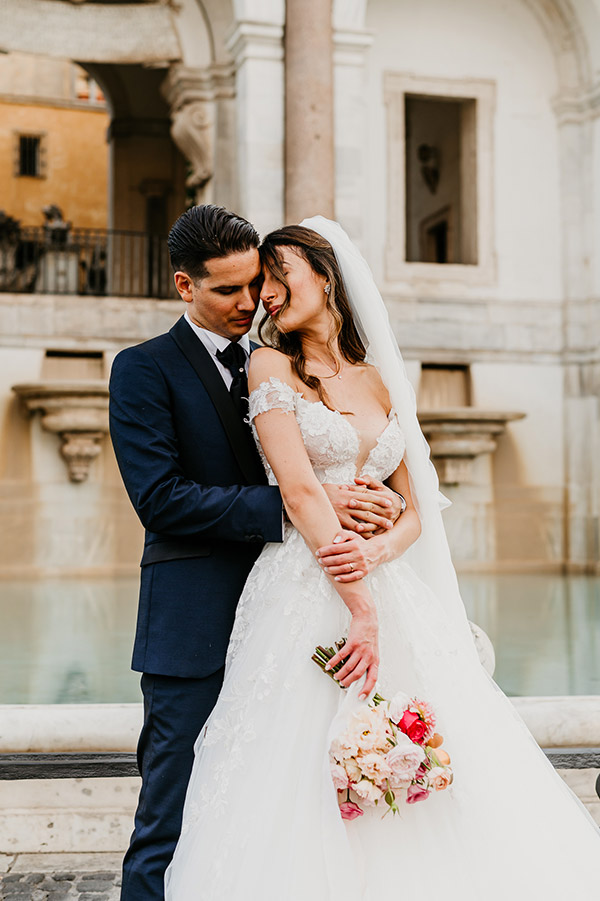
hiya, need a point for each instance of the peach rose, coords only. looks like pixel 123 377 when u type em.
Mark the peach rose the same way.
pixel 374 766
pixel 435 741
pixel 352 769
pixel 439 778
pixel 368 731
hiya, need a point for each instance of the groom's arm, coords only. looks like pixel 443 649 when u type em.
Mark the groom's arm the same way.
pixel 146 447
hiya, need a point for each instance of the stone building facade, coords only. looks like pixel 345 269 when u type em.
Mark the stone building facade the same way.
pixel 459 146
pixel 53 141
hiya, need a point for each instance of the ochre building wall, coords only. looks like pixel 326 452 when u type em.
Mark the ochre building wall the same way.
pixel 75 168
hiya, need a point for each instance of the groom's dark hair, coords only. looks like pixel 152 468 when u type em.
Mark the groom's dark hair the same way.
pixel 205 232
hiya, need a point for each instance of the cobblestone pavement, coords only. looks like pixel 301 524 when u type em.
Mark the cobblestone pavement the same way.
pixel 32 878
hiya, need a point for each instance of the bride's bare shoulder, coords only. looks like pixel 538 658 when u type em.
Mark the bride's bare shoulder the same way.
pixel 266 362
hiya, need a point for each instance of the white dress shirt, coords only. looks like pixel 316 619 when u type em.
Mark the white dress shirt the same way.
pixel 213 343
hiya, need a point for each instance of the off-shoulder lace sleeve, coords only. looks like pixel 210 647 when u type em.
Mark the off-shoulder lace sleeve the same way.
pixel 272 395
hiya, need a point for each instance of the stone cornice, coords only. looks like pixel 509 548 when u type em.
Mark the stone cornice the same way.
pixel 350 47
pixel 256 40
pixel 91 32
pixel 559 722
pixel 185 84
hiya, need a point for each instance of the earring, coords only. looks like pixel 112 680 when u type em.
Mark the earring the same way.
pixel 327 288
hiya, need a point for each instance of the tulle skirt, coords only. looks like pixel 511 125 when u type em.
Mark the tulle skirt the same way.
pixel 261 817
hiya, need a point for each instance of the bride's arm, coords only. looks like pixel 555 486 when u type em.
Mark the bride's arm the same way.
pixel 355 557
pixel 310 511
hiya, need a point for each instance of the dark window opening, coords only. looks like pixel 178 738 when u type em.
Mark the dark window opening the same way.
pixel 30 155
pixel 437 237
pixel 441 183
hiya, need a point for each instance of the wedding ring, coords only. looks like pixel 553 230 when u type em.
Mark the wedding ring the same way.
pixel 352 567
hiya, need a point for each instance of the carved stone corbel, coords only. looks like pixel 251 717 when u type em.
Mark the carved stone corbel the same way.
pixel 458 435
pixel 75 411
pixel 192 95
pixel 192 129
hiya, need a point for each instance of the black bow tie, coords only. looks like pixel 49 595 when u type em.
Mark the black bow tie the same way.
pixel 233 357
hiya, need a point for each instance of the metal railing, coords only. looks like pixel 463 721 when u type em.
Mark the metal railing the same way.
pixel 68 260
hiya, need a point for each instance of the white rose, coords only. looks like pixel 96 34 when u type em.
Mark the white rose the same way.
pixel 367 792
pixel 398 705
pixel 404 760
pixel 339 776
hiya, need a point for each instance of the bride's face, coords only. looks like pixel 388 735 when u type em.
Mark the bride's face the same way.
pixel 307 301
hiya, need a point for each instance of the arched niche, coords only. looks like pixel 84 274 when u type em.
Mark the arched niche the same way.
pixel 158 66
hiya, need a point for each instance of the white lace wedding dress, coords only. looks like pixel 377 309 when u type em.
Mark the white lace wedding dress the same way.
pixel 261 818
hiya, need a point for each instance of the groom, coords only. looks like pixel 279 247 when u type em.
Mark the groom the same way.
pixel 195 479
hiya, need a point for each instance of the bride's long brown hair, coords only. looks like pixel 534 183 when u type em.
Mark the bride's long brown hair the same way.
pixel 319 254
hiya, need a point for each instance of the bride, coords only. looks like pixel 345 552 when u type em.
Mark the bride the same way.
pixel 328 401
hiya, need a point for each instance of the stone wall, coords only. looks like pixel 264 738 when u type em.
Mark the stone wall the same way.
pixel 52 525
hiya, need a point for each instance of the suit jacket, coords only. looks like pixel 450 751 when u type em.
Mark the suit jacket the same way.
pixel 195 479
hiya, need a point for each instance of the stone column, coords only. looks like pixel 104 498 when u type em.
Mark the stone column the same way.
pixel 309 145
pixel 579 132
pixel 351 45
pixel 257 50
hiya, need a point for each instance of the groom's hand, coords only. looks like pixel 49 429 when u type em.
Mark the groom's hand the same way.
pixel 367 507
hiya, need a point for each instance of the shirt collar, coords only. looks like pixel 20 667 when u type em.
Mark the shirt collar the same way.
pixel 216 342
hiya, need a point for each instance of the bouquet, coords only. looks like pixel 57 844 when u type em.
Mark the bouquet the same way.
pixel 389 751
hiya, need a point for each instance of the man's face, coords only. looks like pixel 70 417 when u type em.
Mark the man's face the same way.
pixel 225 300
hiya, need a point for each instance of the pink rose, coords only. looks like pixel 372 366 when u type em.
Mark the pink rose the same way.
pixel 349 810
pixel 413 726
pixel 416 793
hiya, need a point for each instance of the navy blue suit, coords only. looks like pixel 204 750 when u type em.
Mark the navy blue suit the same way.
pixel 194 477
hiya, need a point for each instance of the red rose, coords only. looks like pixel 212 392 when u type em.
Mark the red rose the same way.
pixel 413 726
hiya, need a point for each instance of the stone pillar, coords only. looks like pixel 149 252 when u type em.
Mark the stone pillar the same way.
pixel 351 45
pixel 257 50
pixel 579 133
pixel 309 144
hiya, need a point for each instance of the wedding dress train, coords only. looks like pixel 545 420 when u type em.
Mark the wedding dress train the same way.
pixel 261 818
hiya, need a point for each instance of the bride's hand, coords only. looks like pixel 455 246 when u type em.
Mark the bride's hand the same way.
pixel 350 557
pixel 360 653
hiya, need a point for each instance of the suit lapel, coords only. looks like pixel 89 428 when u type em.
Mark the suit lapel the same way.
pixel 238 435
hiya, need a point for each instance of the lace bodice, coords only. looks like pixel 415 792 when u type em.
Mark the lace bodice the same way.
pixel 331 441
